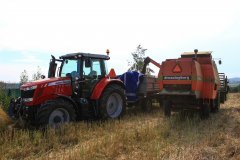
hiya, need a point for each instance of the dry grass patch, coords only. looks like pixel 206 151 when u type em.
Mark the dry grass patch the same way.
pixel 140 136
pixel 4 119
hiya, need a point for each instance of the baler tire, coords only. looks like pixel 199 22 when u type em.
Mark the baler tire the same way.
pixel 216 106
pixel 55 106
pixel 167 108
pixel 146 105
pixel 222 97
pixel 205 111
pixel 112 102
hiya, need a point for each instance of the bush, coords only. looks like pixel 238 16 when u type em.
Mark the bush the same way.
pixel 235 89
pixel 4 100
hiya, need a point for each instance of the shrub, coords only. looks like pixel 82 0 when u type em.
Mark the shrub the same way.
pixel 235 89
pixel 4 100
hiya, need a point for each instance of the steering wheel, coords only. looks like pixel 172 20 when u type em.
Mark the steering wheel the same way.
pixel 74 74
pixel 83 73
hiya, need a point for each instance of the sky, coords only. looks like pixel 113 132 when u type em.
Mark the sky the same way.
pixel 32 31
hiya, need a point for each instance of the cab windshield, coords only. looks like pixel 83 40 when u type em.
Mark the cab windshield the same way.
pixel 70 68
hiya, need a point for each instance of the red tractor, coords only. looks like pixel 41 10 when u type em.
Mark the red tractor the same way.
pixel 81 89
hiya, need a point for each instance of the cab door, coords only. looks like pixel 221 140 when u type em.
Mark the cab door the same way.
pixel 92 71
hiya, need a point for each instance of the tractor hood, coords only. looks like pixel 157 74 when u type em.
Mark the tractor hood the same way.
pixel 47 81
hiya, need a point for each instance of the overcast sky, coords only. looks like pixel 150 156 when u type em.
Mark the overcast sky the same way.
pixel 31 30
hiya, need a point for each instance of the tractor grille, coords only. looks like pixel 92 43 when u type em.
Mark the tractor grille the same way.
pixel 178 87
pixel 27 94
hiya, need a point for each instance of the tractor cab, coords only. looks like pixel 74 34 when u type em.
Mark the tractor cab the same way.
pixel 84 70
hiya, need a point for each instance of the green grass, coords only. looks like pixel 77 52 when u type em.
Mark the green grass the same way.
pixel 136 136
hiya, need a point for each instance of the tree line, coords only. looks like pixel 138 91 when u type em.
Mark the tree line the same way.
pixel 235 89
pixel 5 95
pixel 25 78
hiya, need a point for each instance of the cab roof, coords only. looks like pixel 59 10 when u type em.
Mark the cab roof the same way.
pixel 199 54
pixel 79 55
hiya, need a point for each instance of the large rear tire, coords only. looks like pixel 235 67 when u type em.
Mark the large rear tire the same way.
pixel 55 112
pixel 112 102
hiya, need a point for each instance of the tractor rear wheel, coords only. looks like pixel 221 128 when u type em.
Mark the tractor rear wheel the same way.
pixel 55 112
pixel 112 102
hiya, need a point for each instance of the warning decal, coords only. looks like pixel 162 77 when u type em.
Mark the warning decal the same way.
pixel 177 69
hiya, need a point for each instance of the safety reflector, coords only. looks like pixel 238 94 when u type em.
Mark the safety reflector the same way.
pixel 177 69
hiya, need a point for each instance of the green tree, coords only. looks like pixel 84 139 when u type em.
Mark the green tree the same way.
pixel 2 85
pixel 37 75
pixel 24 77
pixel 138 60
pixel 4 99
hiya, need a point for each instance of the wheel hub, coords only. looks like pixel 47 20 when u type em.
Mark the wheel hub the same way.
pixel 59 115
pixel 57 119
pixel 114 105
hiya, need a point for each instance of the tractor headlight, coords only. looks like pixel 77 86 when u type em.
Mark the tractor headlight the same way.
pixel 27 99
pixel 30 88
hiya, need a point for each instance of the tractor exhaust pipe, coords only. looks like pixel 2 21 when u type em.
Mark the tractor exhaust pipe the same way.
pixel 195 51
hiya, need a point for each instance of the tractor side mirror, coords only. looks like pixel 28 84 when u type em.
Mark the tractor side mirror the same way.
pixel 88 63
pixel 219 62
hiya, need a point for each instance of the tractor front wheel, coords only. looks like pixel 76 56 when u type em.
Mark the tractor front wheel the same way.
pixel 55 112
pixel 112 102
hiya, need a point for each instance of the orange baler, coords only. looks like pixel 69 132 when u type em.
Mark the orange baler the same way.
pixel 189 82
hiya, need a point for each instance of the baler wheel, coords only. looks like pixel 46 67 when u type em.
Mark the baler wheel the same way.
pixel 205 111
pixel 223 97
pixel 216 106
pixel 146 105
pixel 55 112
pixel 167 108
pixel 112 102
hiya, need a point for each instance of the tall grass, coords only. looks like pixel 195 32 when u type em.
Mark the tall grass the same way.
pixel 140 136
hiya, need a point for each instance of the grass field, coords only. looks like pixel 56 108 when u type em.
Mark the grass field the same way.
pixel 136 136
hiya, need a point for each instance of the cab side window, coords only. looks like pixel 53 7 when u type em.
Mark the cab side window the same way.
pixel 92 71
pixel 96 67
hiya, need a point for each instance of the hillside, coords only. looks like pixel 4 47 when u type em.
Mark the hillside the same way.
pixel 136 136
pixel 233 82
